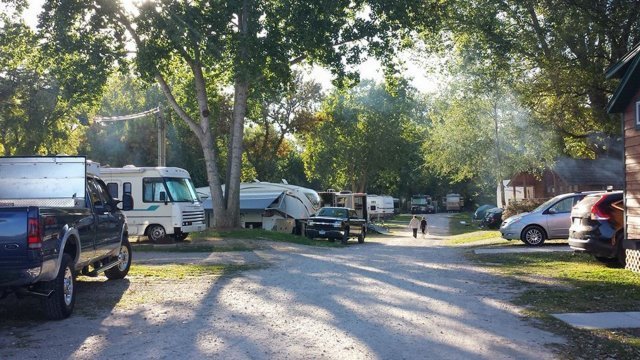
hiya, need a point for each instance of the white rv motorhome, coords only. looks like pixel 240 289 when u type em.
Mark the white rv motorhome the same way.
pixel 164 200
pixel 272 206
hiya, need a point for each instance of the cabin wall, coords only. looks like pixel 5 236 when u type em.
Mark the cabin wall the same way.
pixel 632 185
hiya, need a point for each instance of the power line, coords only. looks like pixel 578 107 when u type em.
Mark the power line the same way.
pixel 100 119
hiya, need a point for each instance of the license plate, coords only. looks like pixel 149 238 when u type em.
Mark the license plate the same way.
pixel 321 232
pixel 577 221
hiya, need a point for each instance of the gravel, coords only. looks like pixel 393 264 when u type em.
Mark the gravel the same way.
pixel 390 298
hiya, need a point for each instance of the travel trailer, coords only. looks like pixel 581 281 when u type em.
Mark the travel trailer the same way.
pixel 453 202
pixel 164 200
pixel 348 199
pixel 271 206
pixel 380 206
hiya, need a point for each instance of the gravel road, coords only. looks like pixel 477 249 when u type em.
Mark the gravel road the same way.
pixel 390 298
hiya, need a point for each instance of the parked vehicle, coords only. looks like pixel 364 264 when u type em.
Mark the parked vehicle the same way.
pixel 337 223
pixel 348 199
pixel 550 220
pixel 380 207
pixel 492 218
pixel 269 205
pixel 597 224
pixel 165 201
pixel 481 212
pixel 453 202
pixel 422 204
pixel 57 219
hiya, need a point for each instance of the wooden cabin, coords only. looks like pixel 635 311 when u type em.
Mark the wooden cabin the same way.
pixel 626 101
pixel 571 175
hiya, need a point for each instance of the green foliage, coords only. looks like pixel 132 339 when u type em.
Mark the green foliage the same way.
pixel 367 140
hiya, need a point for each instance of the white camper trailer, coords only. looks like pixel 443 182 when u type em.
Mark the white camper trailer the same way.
pixel 380 206
pixel 272 206
pixel 164 200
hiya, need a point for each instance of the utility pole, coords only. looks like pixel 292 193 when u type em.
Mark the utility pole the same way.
pixel 162 132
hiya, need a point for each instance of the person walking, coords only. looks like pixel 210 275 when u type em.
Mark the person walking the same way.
pixel 414 224
pixel 423 226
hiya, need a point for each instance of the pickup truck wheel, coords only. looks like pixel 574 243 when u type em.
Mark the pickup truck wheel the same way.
pixel 120 271
pixel 156 233
pixel 361 238
pixel 621 253
pixel 345 237
pixel 60 304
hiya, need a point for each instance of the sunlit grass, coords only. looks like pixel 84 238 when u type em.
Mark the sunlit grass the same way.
pixel 566 282
pixel 486 236
pixel 176 272
pixel 259 234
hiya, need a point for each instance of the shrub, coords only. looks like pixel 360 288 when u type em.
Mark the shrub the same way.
pixel 517 207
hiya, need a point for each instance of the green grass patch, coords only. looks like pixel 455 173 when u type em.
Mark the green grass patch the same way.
pixel 456 225
pixel 401 218
pixel 486 236
pixel 567 282
pixel 173 271
pixel 259 234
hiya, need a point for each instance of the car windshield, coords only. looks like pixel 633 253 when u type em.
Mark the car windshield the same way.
pixel 333 212
pixel 181 189
pixel 546 204
pixel 314 198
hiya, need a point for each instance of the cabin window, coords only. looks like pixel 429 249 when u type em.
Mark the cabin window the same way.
pixel 126 188
pixel 113 190
pixel 637 115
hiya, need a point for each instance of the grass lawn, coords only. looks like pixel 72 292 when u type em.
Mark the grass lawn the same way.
pixel 457 228
pixel 173 271
pixel 566 282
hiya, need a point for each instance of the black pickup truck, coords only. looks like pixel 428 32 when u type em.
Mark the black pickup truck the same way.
pixel 57 219
pixel 336 223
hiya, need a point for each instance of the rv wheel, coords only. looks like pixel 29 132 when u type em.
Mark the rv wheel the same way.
pixel 156 233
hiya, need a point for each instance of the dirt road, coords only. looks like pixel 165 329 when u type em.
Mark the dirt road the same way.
pixel 390 298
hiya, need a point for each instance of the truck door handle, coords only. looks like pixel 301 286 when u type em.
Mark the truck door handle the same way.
pixel 11 246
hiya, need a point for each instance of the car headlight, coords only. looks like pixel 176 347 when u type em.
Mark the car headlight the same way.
pixel 311 222
pixel 337 224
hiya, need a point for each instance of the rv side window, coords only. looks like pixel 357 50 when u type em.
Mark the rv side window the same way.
pixel 151 188
pixel 113 190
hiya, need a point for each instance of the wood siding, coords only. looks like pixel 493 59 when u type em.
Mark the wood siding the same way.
pixel 632 170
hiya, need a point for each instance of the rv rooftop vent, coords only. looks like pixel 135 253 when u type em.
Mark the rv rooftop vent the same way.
pixel 331 190
pixel 129 166
pixel 345 192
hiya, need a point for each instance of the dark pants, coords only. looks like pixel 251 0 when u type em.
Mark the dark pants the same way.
pixel 415 233
pixel 424 230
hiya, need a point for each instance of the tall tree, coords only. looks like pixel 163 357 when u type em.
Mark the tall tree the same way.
pixel 247 44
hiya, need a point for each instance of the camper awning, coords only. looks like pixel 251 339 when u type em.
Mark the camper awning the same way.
pixel 252 202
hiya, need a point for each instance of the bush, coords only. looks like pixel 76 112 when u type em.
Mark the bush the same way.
pixel 525 205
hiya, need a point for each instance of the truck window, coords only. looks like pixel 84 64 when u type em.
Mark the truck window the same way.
pixel 151 189
pixel 94 193
pixel 113 190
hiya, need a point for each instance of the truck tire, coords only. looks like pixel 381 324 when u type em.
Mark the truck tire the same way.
pixel 59 305
pixel 361 238
pixel 156 233
pixel 345 237
pixel 120 271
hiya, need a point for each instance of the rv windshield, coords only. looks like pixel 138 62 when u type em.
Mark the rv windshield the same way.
pixel 181 189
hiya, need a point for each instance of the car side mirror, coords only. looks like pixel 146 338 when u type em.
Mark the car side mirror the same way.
pixel 552 211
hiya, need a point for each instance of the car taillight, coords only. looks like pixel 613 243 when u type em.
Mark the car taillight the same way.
pixel 598 212
pixel 34 235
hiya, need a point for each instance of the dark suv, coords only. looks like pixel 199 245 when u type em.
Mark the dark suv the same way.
pixel 597 227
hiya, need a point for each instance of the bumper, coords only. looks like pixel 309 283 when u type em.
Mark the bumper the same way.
pixel 19 277
pixel 595 244
pixel 510 233
pixel 321 233
pixel 193 228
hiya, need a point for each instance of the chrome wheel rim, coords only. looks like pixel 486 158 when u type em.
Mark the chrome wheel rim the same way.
pixel 67 287
pixel 534 236
pixel 123 257
pixel 157 233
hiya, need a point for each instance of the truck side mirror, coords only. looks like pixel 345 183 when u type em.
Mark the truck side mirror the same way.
pixel 163 197
pixel 127 202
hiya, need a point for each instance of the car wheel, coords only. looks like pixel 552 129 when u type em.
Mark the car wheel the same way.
pixel 361 238
pixel 533 235
pixel 120 271
pixel 621 253
pixel 60 304
pixel 606 260
pixel 156 233
pixel 331 239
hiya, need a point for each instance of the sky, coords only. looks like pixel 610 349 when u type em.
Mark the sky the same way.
pixel 371 69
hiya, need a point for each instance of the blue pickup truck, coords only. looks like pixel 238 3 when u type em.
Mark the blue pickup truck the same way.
pixel 57 219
